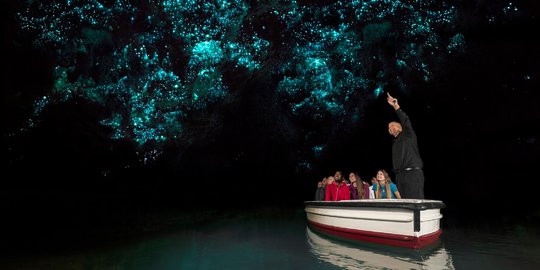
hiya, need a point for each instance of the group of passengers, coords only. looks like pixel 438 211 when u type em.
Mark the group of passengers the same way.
pixel 337 188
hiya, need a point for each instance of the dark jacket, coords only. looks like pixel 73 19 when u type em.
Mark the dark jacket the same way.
pixel 319 193
pixel 405 152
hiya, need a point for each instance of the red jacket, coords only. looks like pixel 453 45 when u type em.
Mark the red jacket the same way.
pixel 337 193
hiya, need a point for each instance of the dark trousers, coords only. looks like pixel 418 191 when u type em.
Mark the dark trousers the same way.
pixel 410 184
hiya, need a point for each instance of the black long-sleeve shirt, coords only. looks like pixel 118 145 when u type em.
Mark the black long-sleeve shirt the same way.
pixel 405 152
pixel 320 193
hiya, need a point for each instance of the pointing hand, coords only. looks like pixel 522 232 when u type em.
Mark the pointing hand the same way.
pixel 392 101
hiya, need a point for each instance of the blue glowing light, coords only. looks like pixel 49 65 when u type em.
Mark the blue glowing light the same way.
pixel 158 66
pixel 378 91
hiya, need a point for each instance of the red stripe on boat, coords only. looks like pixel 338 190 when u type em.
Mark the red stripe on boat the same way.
pixel 380 238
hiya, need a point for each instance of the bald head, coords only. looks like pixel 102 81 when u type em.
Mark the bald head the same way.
pixel 394 128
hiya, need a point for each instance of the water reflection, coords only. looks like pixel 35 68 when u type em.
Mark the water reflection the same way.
pixel 356 256
pixel 280 240
pixel 275 242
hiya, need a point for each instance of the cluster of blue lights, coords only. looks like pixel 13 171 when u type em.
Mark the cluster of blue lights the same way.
pixel 334 59
pixel 148 93
pixel 159 61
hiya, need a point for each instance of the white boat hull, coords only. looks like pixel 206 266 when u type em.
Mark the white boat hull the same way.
pixel 407 223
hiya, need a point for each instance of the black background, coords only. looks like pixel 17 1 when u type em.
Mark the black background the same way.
pixel 477 123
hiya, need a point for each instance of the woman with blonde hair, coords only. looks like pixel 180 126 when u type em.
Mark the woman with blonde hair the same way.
pixel 384 188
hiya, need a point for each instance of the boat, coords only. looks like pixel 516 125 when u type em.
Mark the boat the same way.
pixel 409 223
pixel 346 255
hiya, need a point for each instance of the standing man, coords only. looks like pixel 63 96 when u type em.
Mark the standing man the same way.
pixel 405 155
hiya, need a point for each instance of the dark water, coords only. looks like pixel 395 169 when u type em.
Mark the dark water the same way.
pixel 281 240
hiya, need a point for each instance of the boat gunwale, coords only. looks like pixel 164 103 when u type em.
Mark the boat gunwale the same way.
pixel 379 203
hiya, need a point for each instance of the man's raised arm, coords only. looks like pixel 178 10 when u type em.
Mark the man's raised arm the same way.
pixel 403 118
